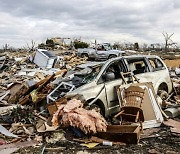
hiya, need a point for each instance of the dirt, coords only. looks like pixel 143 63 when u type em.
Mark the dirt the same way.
pixel 162 141
pixel 172 63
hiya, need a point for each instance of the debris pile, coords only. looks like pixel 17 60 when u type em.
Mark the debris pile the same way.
pixel 171 104
pixel 175 125
pixel 72 61
pixel 35 108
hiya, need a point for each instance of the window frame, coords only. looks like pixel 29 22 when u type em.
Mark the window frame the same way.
pixel 155 63
pixel 100 80
pixel 136 59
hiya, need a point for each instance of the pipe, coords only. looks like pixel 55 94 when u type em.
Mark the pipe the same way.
pixel 172 112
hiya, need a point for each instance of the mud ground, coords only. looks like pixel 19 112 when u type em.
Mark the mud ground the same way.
pixel 162 141
pixel 172 62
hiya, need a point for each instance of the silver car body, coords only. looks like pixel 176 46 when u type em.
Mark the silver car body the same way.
pixel 99 54
pixel 105 90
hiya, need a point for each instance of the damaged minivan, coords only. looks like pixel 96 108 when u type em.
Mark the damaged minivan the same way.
pixel 97 81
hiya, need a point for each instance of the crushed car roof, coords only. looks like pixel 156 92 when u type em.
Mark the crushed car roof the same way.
pixel 134 56
pixel 95 64
pixel 90 64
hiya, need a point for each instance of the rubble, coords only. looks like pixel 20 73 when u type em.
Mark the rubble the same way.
pixel 55 137
pixel 35 110
pixel 177 71
pixel 6 132
pixel 175 125
pixel 10 148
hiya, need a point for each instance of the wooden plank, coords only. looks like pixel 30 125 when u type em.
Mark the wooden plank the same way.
pixel 119 133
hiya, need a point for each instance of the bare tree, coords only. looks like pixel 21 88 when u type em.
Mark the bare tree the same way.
pixel 6 46
pixel 167 38
pixel 32 46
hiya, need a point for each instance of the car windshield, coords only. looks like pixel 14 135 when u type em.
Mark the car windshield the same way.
pixel 107 47
pixel 83 73
pixel 87 74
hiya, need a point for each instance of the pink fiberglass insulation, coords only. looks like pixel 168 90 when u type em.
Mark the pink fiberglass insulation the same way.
pixel 73 114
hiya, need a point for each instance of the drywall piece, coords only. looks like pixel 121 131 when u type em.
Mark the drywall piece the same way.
pixel 6 132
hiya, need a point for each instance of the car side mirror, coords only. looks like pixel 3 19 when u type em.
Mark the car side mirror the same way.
pixel 108 76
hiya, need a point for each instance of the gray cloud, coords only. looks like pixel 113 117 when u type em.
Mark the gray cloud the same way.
pixel 105 20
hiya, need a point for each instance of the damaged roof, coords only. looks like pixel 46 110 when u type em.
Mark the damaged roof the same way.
pixel 90 64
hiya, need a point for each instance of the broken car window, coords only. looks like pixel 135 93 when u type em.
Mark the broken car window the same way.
pixel 156 64
pixel 86 75
pixel 113 71
pixel 137 66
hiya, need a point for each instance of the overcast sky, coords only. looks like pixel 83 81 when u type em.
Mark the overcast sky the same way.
pixel 103 20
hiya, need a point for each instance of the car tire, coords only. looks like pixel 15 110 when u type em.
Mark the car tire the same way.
pixel 97 108
pixel 163 94
pixel 85 55
pixel 112 56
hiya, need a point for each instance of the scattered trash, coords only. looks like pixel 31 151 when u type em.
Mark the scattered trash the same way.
pixel 175 125
pixel 102 140
pixel 9 148
pixel 6 132
pixel 177 71
pixel 90 145
pixel 107 143
pixel 54 149
pixel 55 137
pixel 153 151
pixel 148 132
pixel 56 102
pixel 58 92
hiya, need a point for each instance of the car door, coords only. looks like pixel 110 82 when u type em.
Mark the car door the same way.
pixel 102 54
pixel 160 73
pixel 139 66
pixel 144 72
pixel 110 86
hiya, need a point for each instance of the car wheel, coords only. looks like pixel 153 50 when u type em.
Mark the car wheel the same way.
pixel 85 55
pixel 163 94
pixel 112 56
pixel 97 108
